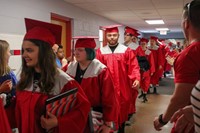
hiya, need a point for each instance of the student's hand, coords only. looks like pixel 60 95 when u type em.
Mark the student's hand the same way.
pixel 184 119
pixel 157 124
pixel 170 60
pixel 160 67
pixel 136 84
pixel 50 122
pixel 55 48
pixel 104 129
pixel 6 86
pixel 3 97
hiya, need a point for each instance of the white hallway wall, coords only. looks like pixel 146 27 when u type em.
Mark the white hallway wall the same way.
pixel 13 12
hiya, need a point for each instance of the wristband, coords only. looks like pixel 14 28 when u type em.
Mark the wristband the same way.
pixel 161 120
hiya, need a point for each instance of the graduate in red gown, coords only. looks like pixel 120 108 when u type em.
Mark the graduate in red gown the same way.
pixel 164 49
pixel 124 69
pixel 130 40
pixel 96 81
pixel 171 53
pixel 168 50
pixel 145 75
pixel 40 79
pixel 158 62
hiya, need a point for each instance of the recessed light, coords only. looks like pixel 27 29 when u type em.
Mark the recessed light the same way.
pixel 154 21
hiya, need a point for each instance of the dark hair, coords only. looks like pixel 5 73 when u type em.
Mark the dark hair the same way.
pixel 192 13
pixel 90 53
pixel 129 34
pixel 47 64
pixel 60 46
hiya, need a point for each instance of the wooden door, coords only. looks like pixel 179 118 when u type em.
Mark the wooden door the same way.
pixel 65 22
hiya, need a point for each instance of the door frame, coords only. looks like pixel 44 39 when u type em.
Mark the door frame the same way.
pixel 68 30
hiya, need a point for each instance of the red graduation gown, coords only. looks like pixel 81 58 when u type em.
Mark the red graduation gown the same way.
pixel 134 93
pixel 98 87
pixel 158 61
pixel 30 106
pixel 4 124
pixel 146 76
pixel 162 59
pixel 172 54
pixel 124 69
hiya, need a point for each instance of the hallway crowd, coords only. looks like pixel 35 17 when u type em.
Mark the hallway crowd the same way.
pixel 95 90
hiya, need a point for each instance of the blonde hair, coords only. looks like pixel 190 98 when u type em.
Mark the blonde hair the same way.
pixel 4 68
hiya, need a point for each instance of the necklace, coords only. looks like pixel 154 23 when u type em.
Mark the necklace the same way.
pixel 35 85
pixel 82 72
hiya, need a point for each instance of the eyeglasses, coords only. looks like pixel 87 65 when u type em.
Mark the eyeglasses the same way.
pixel 188 7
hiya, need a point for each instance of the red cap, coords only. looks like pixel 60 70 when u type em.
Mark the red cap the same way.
pixel 85 41
pixel 44 31
pixel 131 31
pixel 154 38
pixel 144 40
pixel 111 28
pixel 136 34
pixel 170 44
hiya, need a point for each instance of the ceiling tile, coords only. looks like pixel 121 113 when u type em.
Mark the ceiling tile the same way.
pixel 134 12
pixel 168 3
pixel 170 11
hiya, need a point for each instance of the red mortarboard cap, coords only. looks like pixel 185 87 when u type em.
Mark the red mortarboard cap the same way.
pixel 111 28
pixel 85 41
pixel 44 31
pixel 144 40
pixel 136 34
pixel 170 44
pixel 154 38
pixel 131 31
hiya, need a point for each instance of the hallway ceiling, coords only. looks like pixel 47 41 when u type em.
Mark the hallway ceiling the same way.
pixel 133 12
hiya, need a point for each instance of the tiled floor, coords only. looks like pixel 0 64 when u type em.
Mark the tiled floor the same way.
pixel 146 112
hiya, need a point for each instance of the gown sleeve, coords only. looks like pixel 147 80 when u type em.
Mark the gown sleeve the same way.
pixel 4 124
pixel 133 66
pixel 109 96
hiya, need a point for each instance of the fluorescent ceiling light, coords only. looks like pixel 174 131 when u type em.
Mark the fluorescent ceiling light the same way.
pixel 148 31
pixel 162 29
pixel 163 32
pixel 154 21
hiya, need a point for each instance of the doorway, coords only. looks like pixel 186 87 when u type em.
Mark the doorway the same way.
pixel 66 35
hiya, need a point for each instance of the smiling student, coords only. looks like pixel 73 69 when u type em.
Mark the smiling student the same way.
pixel 95 79
pixel 40 79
